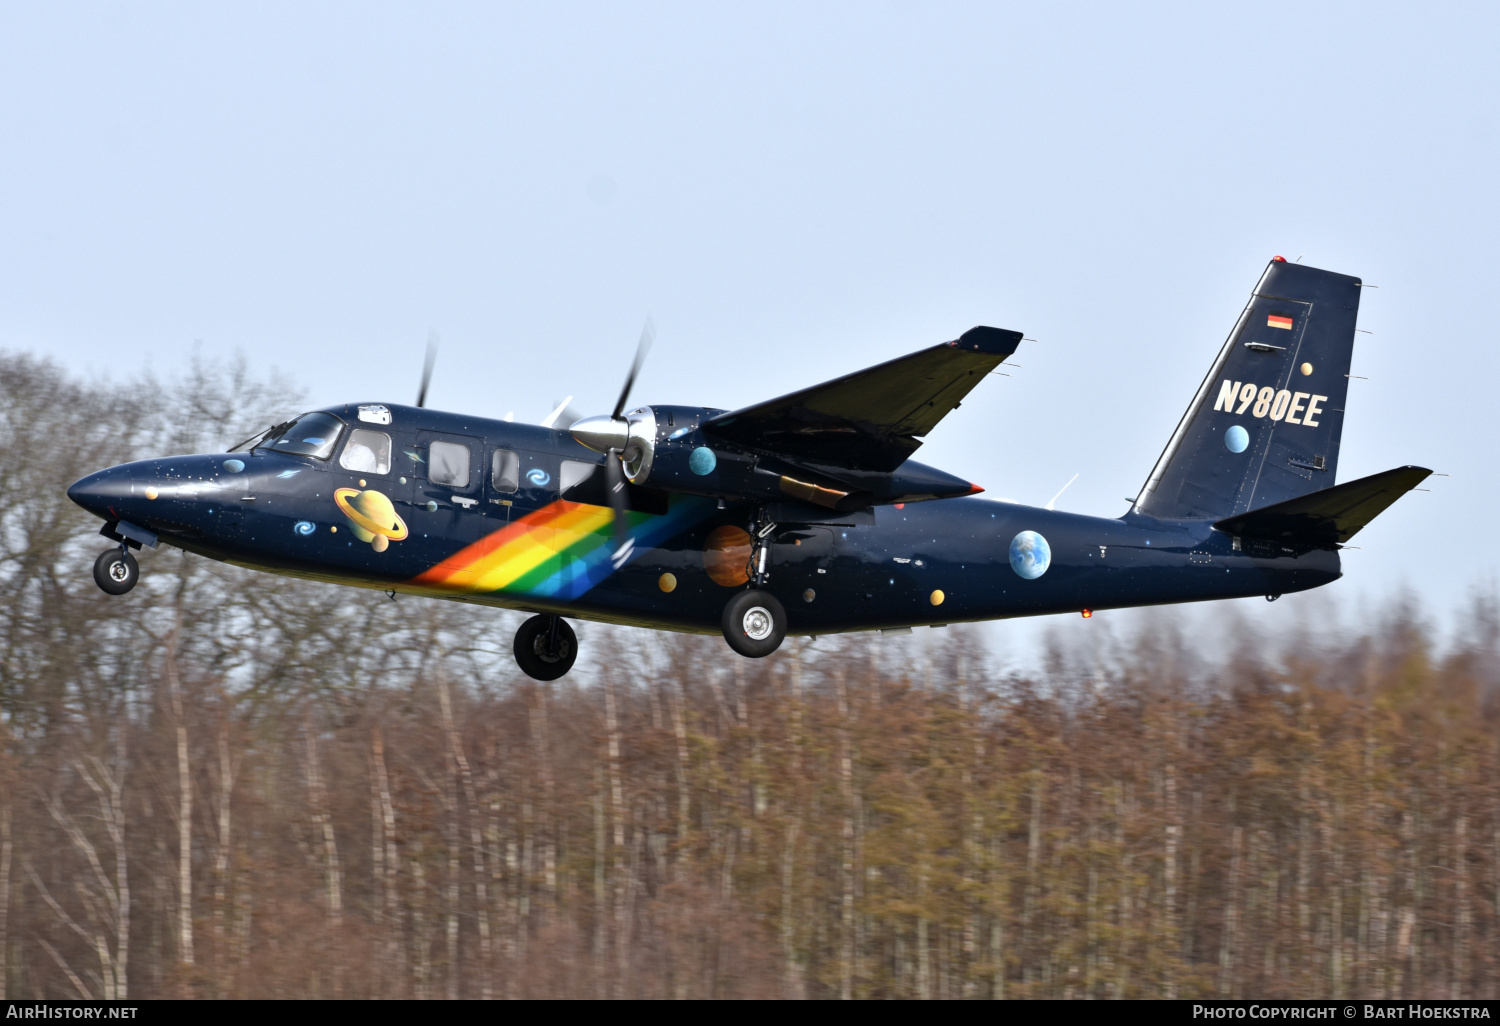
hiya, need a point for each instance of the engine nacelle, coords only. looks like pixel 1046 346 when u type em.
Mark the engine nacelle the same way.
pixel 665 448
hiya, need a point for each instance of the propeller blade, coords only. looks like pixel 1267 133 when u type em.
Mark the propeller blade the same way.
pixel 648 334
pixel 432 348
pixel 557 412
pixel 615 482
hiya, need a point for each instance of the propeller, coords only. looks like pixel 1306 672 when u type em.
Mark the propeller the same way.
pixel 611 436
pixel 615 479
pixel 563 411
pixel 648 335
pixel 432 348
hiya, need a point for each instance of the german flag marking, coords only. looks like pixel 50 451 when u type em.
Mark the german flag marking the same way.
pixel 1278 321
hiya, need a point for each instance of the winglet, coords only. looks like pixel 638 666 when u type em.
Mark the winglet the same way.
pixel 991 341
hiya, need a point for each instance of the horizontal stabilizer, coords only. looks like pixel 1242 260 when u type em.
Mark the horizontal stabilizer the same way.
pixel 1330 516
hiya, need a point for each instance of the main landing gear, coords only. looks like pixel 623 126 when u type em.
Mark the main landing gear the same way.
pixel 754 623
pixel 545 647
pixel 116 571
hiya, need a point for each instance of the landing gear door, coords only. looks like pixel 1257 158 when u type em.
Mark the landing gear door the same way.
pixel 802 546
pixel 801 555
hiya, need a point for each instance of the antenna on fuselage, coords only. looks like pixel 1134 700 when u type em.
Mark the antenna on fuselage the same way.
pixel 432 348
pixel 1052 503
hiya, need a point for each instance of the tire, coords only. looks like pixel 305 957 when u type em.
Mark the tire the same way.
pixel 532 641
pixel 754 624
pixel 116 571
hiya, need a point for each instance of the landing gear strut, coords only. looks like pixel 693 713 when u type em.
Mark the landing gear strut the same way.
pixel 754 623
pixel 545 647
pixel 116 571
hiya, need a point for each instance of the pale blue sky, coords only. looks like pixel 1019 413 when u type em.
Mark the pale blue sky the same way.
pixel 792 191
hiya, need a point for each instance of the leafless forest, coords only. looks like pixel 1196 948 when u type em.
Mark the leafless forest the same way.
pixel 229 784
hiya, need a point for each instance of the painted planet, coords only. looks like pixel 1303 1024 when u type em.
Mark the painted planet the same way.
pixel 667 582
pixel 371 517
pixel 1236 439
pixel 936 598
pixel 1030 555
pixel 702 461
pixel 809 595
pixel 151 492
pixel 234 466
pixel 726 555
pixel 1306 370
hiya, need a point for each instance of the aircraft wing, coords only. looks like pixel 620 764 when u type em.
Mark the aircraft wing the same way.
pixel 1330 516
pixel 873 419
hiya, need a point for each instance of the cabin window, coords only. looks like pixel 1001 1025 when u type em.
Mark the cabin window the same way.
pixel 312 434
pixel 506 471
pixel 368 452
pixel 448 464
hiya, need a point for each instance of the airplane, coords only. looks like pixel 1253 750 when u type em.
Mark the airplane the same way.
pixel 802 516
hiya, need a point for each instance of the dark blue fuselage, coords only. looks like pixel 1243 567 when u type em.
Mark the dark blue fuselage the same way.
pixel 533 547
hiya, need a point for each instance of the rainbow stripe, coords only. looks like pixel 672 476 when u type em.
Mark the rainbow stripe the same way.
pixel 559 551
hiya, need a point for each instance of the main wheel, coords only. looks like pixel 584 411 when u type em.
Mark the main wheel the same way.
pixel 546 647
pixel 754 623
pixel 116 571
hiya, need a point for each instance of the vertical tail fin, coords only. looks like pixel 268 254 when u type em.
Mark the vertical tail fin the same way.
pixel 1265 424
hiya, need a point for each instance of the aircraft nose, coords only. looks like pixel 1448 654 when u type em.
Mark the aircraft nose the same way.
pixel 104 493
pixel 92 492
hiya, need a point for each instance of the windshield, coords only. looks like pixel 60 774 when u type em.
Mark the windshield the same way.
pixel 312 434
pixel 254 441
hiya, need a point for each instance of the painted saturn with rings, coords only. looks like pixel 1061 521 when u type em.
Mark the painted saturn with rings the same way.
pixel 371 516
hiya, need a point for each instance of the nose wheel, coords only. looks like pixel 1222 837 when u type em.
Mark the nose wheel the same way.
pixel 116 571
pixel 754 623
pixel 546 647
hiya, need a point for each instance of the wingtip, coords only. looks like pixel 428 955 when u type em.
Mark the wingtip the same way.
pixel 989 341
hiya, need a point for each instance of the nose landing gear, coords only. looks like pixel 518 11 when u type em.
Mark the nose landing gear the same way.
pixel 116 571
pixel 545 647
pixel 754 623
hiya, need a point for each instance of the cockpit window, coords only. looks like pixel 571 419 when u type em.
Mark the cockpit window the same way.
pixel 367 452
pixel 312 434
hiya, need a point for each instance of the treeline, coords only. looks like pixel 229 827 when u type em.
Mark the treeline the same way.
pixel 228 784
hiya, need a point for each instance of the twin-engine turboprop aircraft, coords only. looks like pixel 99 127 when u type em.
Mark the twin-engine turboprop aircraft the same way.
pixel 803 515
